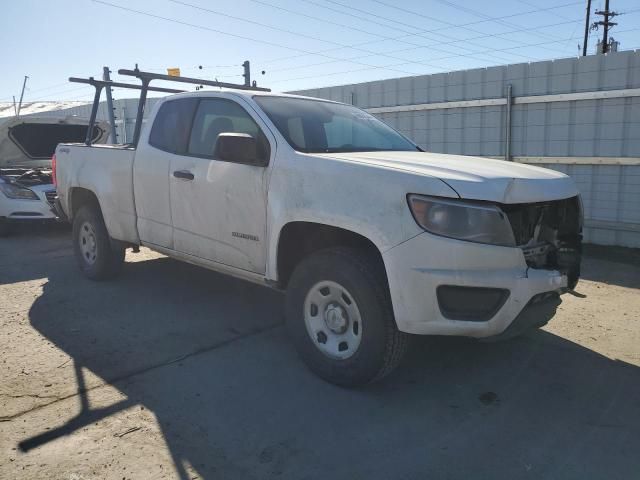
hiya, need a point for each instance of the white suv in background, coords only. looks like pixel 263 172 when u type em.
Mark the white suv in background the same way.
pixel 26 146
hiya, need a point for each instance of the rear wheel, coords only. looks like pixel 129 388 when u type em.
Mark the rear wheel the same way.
pixel 97 257
pixel 340 317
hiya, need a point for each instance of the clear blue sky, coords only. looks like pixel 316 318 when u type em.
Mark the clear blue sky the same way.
pixel 306 46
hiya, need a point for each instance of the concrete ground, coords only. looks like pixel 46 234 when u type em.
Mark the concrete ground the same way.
pixel 177 372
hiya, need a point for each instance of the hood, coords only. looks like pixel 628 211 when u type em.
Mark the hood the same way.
pixel 474 178
pixel 30 141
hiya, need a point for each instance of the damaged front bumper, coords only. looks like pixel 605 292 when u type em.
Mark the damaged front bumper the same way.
pixel 418 270
pixel 445 286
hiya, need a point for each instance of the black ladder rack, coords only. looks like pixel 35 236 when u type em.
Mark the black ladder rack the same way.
pixel 99 85
pixel 146 78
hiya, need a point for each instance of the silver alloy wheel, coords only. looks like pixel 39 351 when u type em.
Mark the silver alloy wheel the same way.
pixel 88 243
pixel 333 320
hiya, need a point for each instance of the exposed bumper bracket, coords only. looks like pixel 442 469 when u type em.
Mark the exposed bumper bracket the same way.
pixel 58 211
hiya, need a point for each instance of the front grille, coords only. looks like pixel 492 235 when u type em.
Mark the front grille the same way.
pixel 549 234
pixel 535 221
pixel 51 196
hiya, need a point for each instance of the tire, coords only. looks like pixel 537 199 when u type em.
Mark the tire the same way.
pixel 97 257
pixel 316 314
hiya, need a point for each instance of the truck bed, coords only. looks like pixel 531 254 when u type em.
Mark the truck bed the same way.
pixel 107 172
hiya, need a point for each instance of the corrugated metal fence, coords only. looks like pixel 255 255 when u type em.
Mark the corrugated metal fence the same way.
pixel 580 116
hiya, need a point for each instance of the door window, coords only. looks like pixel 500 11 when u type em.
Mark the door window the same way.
pixel 171 126
pixel 215 116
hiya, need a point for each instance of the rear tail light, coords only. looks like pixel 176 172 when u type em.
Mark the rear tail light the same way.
pixel 53 170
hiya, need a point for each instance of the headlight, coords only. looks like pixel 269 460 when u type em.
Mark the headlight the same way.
pixel 16 192
pixel 462 220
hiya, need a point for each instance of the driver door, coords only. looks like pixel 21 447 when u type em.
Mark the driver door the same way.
pixel 218 208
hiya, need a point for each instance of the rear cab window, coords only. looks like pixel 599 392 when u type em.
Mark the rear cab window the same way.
pixel 172 125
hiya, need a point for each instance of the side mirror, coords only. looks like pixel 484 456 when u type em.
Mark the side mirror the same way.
pixel 237 148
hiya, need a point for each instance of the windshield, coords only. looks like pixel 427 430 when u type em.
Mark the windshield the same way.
pixel 314 126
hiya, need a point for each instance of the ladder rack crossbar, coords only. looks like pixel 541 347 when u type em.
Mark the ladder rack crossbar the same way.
pixel 195 81
pixel 145 79
pixel 104 83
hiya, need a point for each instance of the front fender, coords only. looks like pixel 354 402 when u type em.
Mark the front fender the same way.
pixel 368 201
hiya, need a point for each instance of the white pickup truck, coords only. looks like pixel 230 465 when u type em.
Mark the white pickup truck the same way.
pixel 371 238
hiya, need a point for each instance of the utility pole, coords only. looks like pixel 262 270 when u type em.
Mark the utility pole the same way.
pixel 24 84
pixel 606 13
pixel 586 30
pixel 15 106
pixel 247 73
pixel 112 118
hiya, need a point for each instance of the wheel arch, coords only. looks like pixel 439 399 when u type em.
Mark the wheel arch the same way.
pixel 299 239
pixel 80 196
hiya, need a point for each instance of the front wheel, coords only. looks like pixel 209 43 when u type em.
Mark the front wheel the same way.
pixel 340 318
pixel 97 257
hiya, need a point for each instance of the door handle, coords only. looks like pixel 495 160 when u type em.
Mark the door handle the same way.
pixel 184 174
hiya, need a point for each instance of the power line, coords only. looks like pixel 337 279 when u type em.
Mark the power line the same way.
pixel 435 59
pixel 399 38
pixel 340 45
pixel 512 15
pixel 311 17
pixel 234 35
pixel 56 94
pixel 438 19
pixel 450 24
pixel 529 4
pixel 38 90
pixel 253 22
pixel 320 53
pixel 546 9
pixel 262 2
pixel 480 14
pixel 357 45
pixel 408 32
pixel 424 46
pixel 421 33
pixel 372 53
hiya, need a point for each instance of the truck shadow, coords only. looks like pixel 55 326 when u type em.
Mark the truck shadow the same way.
pixel 207 356
pixel 599 269
pixel 26 253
